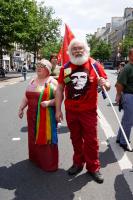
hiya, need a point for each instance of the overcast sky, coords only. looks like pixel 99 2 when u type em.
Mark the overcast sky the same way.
pixel 85 16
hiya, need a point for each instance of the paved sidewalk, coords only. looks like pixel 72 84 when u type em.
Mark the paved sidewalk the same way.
pixel 13 74
pixel 10 75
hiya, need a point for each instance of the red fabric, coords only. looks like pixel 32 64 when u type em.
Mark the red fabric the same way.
pixel 44 156
pixel 59 56
pixel 68 36
pixel 83 133
pixel 42 137
pixel 89 100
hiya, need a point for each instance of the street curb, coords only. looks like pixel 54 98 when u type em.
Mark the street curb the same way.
pixel 6 78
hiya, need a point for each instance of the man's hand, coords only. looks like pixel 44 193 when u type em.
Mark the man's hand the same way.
pixel 104 83
pixel 117 98
pixel 59 116
pixel 101 82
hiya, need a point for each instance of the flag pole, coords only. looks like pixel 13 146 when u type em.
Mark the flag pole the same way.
pixel 106 93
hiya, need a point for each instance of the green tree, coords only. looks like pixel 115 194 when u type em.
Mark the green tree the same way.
pixel 99 49
pixel 42 30
pixel 127 42
pixel 28 24
pixel 92 40
pixel 13 21
pixel 51 47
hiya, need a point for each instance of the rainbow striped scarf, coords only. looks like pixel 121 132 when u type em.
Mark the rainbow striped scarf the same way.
pixel 46 127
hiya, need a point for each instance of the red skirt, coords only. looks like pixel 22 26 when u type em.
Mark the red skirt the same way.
pixel 43 156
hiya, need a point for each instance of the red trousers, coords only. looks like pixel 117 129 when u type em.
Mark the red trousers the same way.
pixel 83 133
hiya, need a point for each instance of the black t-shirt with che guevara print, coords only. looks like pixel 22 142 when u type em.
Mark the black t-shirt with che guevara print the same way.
pixel 78 84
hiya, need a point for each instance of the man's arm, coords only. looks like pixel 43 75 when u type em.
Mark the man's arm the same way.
pixel 58 101
pixel 121 84
pixel 103 81
pixel 119 89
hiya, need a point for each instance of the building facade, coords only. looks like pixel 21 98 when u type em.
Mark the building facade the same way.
pixel 116 31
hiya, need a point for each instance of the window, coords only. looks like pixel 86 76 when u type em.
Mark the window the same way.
pixel 17 54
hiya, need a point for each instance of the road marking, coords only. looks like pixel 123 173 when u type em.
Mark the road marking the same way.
pixel 12 83
pixel 16 139
pixel 5 101
pixel 122 158
pixel 1 86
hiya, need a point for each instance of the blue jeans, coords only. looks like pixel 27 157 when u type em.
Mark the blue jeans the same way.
pixel 24 75
pixel 127 118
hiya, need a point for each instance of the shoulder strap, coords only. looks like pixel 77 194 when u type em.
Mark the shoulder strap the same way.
pixel 96 67
pixel 67 65
pixel 31 81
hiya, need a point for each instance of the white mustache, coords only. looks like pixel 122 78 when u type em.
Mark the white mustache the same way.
pixel 79 60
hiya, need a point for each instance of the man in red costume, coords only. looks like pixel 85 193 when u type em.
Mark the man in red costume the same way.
pixel 80 83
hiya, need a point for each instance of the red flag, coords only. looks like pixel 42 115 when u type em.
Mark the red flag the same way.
pixel 66 41
pixel 59 57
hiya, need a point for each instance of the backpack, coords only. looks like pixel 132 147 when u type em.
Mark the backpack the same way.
pixel 24 69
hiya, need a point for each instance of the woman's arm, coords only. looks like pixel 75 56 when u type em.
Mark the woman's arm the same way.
pixel 22 107
pixel 59 98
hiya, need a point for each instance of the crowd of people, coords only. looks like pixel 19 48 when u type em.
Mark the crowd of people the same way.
pixel 77 79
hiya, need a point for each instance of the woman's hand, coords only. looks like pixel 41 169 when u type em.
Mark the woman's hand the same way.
pixel 20 113
pixel 45 104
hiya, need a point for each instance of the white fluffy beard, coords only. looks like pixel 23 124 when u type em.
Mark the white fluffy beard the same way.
pixel 80 60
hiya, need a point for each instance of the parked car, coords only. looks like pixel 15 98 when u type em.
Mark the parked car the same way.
pixel 108 65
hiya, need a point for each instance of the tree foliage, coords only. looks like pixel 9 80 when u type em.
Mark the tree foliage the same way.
pixel 99 49
pixel 28 24
pixel 51 47
pixel 42 29
pixel 127 42
pixel 10 12
pixel 92 40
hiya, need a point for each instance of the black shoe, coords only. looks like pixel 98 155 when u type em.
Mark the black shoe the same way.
pixel 97 176
pixel 125 147
pixel 73 170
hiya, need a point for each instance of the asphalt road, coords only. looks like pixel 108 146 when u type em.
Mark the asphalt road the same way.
pixel 21 180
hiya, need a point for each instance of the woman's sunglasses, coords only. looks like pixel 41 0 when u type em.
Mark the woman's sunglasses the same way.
pixel 41 66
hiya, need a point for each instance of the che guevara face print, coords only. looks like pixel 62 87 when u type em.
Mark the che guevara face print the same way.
pixel 79 83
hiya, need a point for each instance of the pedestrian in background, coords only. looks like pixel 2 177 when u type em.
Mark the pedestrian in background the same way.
pixel 24 71
pixel 120 68
pixel 55 67
pixel 124 88
pixel 78 79
pixel 42 129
